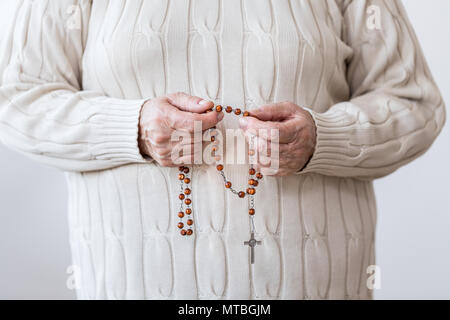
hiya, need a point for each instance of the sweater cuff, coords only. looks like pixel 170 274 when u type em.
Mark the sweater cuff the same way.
pixel 116 126
pixel 333 131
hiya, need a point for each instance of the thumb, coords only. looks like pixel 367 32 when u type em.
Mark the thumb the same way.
pixel 189 103
pixel 273 112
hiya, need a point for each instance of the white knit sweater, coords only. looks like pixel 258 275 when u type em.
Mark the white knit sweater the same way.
pixel 77 73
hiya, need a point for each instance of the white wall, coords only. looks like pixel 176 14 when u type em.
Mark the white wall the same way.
pixel 413 244
pixel 414 203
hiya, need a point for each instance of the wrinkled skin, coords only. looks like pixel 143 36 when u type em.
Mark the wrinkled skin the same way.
pixel 296 140
pixel 162 116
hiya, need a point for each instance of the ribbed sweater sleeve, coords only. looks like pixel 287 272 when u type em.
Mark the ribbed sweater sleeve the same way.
pixel 395 112
pixel 44 112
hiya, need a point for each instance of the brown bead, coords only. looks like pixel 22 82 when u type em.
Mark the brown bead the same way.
pixel 181 176
pixel 189 232
pixel 219 108
pixel 190 222
pixel 246 114
pixel 181 168
pixel 251 152
pixel 213 138
pixel 181 196
pixel 188 211
pixel 229 109
pixel 241 194
pixel 188 201
pixel 180 214
pixel 215 148
pixel 252 182
pixel 251 212
pixel 228 185
pixel 186 170
pixel 237 111
pixel 219 167
pixel 256 183
pixel 180 225
pixel 252 171
pixel 183 232
pixel 187 191
pixel 187 180
pixel 251 191
pixel 259 175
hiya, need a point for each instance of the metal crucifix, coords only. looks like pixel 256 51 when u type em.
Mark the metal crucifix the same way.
pixel 252 243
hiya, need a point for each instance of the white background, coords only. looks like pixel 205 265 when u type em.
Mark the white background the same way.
pixel 413 235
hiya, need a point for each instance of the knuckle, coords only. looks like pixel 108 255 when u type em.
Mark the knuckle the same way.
pixel 158 138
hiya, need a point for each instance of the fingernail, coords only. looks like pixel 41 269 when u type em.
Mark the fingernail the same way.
pixel 243 122
pixel 220 116
pixel 203 102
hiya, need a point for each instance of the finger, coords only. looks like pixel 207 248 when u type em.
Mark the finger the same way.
pixel 189 103
pixel 187 121
pixel 279 132
pixel 274 112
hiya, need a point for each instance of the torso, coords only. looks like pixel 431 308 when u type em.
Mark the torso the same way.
pixel 317 232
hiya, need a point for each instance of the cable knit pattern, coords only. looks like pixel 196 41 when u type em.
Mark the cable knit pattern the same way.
pixel 77 73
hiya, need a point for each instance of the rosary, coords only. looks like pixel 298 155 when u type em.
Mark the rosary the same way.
pixel 253 181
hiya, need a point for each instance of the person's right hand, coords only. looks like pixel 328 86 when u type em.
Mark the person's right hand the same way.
pixel 162 116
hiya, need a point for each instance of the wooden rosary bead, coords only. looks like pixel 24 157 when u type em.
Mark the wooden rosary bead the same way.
pixel 253 183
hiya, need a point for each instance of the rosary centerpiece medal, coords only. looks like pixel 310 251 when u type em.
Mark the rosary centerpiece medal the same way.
pixel 185 214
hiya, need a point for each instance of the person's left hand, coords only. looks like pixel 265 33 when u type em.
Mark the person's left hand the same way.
pixel 297 135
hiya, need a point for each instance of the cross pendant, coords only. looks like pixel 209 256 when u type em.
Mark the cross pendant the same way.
pixel 252 243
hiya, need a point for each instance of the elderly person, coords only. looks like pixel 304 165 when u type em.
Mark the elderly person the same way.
pixel 97 89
